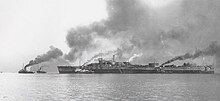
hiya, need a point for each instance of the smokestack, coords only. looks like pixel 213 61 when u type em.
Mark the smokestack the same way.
pixel 113 58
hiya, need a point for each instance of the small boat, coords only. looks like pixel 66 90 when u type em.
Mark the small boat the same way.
pixel 40 70
pixel 25 71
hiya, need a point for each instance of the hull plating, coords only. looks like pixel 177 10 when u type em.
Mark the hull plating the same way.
pixel 136 71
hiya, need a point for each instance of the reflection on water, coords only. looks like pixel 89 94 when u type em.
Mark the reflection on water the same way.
pixel 44 87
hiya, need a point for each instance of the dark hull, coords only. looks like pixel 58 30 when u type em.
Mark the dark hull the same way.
pixel 124 71
pixel 66 69
pixel 143 71
pixel 41 72
pixel 140 71
pixel 23 71
pixel 26 72
pixel 189 72
pixel 66 72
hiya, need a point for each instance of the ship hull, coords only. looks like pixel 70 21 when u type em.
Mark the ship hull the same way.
pixel 66 72
pixel 142 71
pixel 125 71
pixel 70 70
pixel 41 72
pixel 25 71
pixel 188 72
pixel 66 69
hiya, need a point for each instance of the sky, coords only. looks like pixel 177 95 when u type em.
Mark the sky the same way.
pixel 142 31
pixel 29 27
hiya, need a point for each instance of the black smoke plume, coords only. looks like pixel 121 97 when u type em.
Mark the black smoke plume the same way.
pixel 212 50
pixel 53 53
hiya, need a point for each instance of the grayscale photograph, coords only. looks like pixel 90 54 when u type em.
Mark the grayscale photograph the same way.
pixel 109 50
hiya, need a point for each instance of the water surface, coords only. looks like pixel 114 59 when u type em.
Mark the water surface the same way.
pixel 133 87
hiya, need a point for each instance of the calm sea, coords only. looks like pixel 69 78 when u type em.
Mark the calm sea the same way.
pixel 132 87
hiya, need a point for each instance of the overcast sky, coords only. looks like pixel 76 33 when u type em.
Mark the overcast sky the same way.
pixel 29 27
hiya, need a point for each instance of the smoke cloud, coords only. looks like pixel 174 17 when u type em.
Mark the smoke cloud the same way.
pixel 212 50
pixel 53 53
pixel 132 27
pixel 159 34
pixel 134 56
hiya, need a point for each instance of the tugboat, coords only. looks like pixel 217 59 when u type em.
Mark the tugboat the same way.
pixel 25 71
pixel 40 70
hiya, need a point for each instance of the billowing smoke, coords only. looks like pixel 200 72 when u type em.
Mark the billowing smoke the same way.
pixel 134 56
pixel 53 53
pixel 212 50
pixel 134 27
pixel 125 19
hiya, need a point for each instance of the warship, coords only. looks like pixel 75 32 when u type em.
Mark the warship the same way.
pixel 112 66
